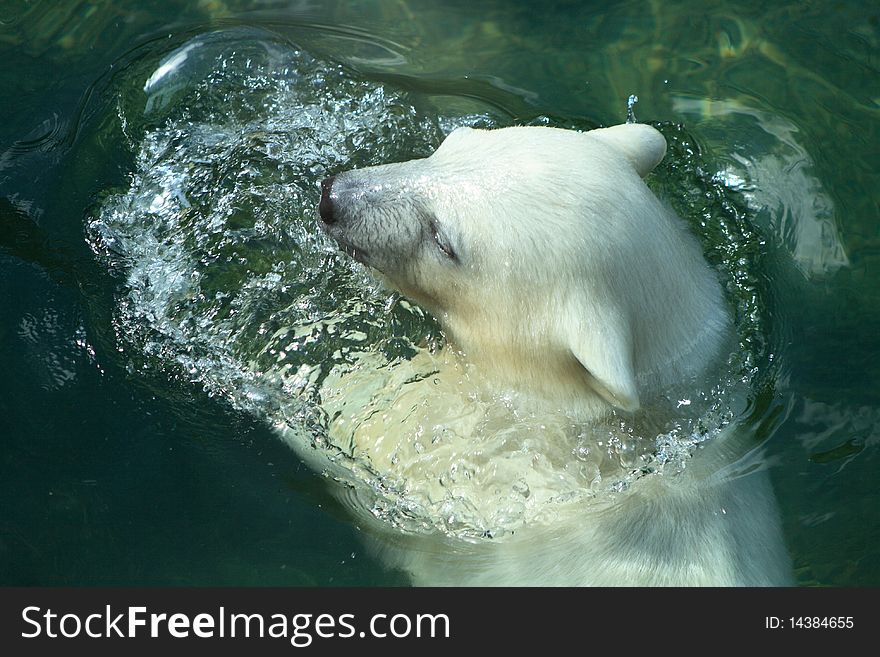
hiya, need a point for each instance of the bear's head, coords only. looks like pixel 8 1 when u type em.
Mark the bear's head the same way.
pixel 548 262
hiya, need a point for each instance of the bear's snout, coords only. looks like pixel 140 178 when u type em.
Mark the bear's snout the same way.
pixel 326 208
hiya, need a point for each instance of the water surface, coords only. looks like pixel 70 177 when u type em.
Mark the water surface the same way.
pixel 135 448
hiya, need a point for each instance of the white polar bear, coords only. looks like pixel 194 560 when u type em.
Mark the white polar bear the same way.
pixel 569 296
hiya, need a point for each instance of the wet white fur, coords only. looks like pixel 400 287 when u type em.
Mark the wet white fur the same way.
pixel 574 289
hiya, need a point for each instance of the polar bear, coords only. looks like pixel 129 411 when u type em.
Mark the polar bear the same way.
pixel 570 297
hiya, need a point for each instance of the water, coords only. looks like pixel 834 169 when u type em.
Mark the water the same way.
pixel 166 301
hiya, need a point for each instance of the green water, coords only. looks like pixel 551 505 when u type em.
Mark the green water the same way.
pixel 129 453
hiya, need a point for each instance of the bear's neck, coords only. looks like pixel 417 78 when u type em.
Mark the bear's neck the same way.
pixel 553 385
pixel 696 335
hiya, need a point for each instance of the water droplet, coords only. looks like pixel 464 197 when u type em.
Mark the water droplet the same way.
pixel 630 104
pixel 522 488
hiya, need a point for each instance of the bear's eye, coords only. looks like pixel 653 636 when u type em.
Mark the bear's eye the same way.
pixel 442 243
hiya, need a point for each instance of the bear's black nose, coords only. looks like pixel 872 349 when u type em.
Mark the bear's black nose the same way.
pixel 325 207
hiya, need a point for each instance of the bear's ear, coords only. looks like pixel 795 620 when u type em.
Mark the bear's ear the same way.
pixel 642 145
pixel 458 133
pixel 605 352
pixel 455 141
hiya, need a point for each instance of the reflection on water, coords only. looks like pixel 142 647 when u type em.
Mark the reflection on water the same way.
pixel 774 172
pixel 197 181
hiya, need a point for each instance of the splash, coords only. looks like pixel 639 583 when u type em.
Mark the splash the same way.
pixel 228 286
pixel 630 108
